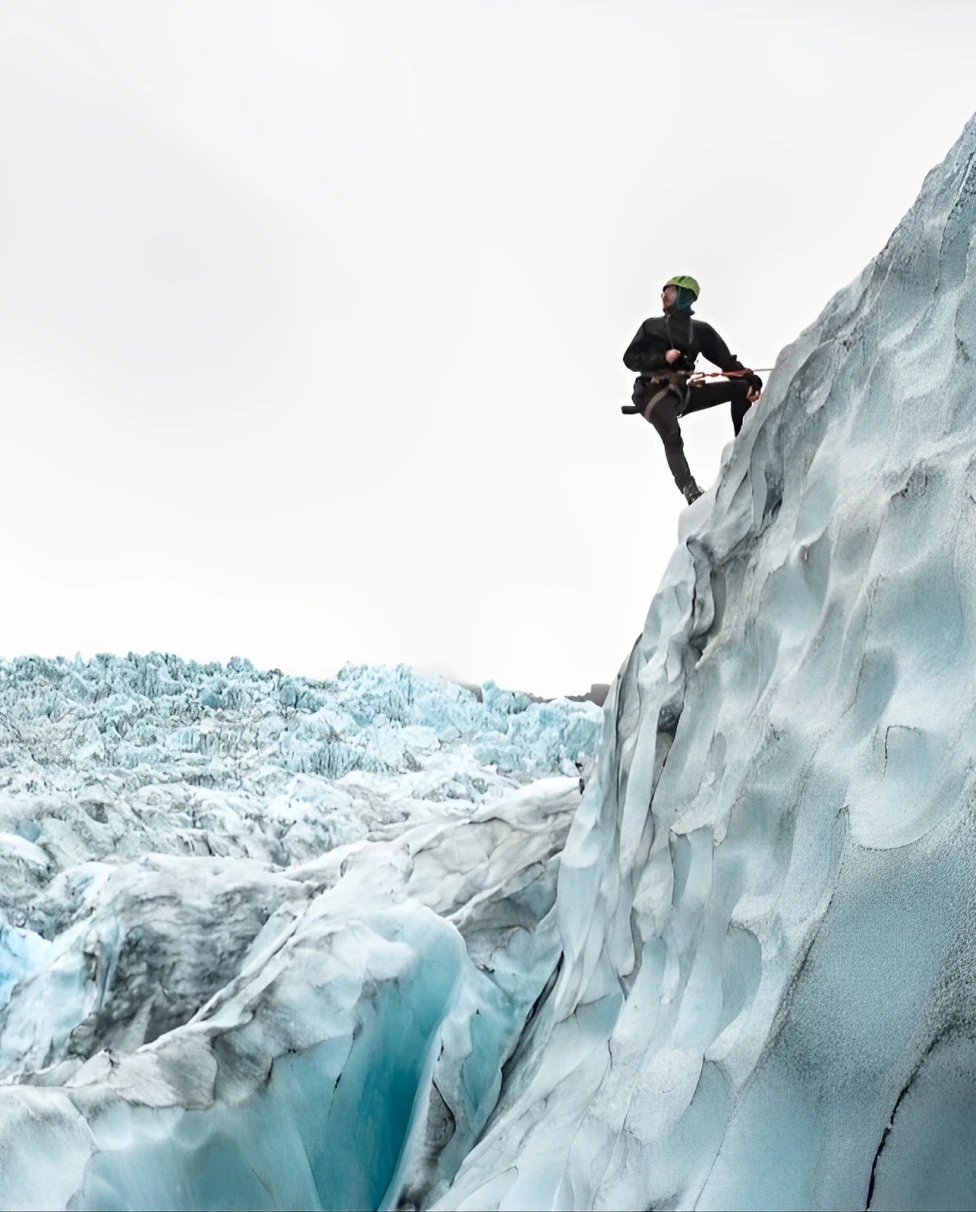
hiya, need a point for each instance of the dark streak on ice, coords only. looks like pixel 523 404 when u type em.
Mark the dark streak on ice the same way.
pixel 891 1121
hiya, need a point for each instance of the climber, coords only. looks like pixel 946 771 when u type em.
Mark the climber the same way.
pixel 664 353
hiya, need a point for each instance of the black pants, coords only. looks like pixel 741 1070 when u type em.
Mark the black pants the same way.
pixel 664 418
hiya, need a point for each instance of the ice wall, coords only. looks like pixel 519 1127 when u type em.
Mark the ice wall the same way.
pixel 766 901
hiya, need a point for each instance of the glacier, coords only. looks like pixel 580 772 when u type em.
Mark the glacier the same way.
pixel 248 923
pixel 373 943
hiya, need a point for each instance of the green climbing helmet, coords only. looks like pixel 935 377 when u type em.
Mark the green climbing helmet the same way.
pixel 687 282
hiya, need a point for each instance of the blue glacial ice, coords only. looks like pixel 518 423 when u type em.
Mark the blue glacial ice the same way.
pixel 274 943
pixel 267 942
pixel 123 757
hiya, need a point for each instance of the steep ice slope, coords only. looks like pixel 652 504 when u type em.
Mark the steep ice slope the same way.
pixel 766 902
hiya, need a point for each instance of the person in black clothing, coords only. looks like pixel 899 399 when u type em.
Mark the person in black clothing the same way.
pixel 663 353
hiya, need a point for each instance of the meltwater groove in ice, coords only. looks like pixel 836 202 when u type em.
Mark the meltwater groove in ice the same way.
pixel 768 993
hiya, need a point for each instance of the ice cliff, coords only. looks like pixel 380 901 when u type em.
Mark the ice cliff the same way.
pixel 768 990
pixel 739 973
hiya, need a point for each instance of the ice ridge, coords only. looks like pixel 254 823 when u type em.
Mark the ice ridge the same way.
pixel 768 990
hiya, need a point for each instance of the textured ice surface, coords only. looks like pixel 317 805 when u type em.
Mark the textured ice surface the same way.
pixel 120 757
pixel 766 901
pixel 267 942
pixel 352 1055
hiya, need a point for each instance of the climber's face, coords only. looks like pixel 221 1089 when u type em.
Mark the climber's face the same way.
pixel 669 296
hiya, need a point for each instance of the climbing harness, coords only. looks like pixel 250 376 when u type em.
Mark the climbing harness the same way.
pixel 687 384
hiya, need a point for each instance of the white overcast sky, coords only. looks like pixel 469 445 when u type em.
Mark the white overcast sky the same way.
pixel 311 314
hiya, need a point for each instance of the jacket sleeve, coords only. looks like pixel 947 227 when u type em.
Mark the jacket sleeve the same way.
pixel 641 356
pixel 715 350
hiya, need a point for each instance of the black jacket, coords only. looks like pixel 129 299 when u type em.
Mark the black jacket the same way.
pixel 677 330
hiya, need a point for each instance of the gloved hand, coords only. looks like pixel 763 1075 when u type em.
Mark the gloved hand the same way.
pixel 755 385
